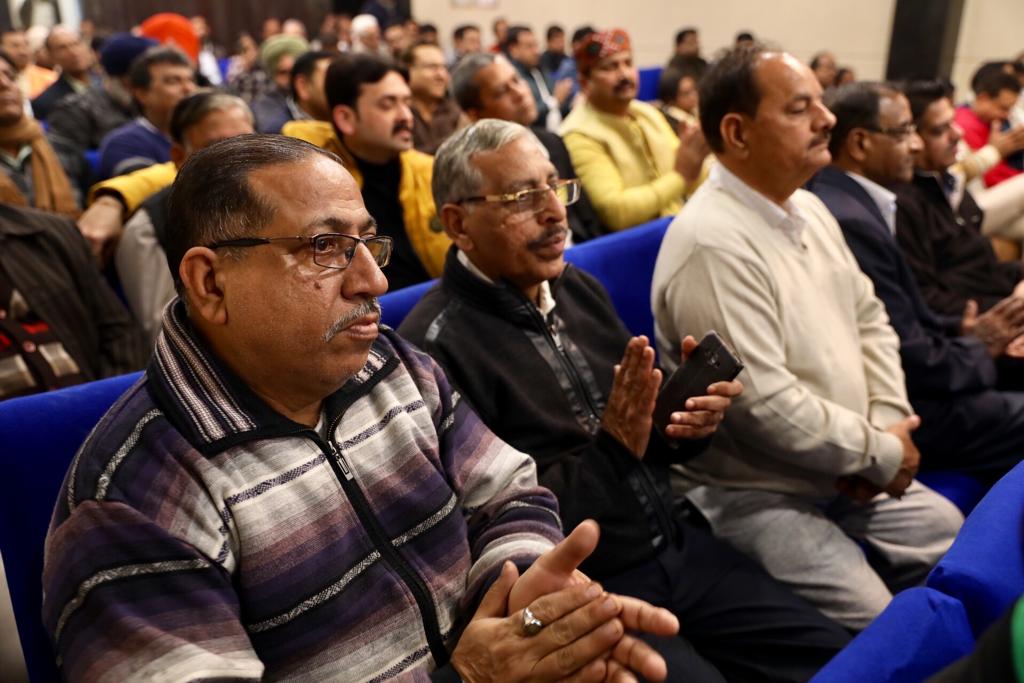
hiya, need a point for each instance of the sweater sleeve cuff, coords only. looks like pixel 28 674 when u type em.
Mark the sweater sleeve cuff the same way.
pixel 887 460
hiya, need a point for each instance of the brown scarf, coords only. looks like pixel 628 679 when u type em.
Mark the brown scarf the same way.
pixel 50 183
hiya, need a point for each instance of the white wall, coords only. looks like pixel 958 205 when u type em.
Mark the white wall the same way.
pixel 989 30
pixel 857 31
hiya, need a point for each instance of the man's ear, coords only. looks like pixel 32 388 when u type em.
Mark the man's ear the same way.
pixel 178 154
pixel 301 88
pixel 857 145
pixel 201 272
pixel 734 134
pixel 453 218
pixel 345 118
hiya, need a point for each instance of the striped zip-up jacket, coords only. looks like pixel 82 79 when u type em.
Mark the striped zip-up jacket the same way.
pixel 200 535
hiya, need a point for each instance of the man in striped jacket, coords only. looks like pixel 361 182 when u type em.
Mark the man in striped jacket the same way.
pixel 290 494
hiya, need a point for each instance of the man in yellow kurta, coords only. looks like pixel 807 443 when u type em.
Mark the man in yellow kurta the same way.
pixel 630 161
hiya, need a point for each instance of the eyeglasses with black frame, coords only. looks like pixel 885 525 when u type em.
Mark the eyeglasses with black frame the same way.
pixel 330 249
pixel 533 200
pixel 897 133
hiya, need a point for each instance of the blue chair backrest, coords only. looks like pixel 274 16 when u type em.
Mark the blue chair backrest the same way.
pixel 985 567
pixel 919 633
pixel 40 435
pixel 394 306
pixel 624 263
pixel 647 89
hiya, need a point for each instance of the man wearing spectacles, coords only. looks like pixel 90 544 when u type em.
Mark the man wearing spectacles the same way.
pixel 536 347
pixel 292 493
pixel 435 113
pixel 952 362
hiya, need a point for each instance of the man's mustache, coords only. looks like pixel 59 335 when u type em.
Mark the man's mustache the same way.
pixel 625 83
pixel 401 126
pixel 368 307
pixel 557 230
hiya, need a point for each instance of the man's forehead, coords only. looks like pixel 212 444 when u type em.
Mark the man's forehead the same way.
pixel 780 75
pixel 392 85
pixel 617 58
pixel 495 73
pixel 498 170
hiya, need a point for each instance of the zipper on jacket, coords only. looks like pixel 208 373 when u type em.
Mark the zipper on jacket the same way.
pixel 388 552
pixel 646 479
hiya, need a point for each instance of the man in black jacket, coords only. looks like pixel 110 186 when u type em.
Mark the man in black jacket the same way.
pixel 949 361
pixel 536 347
pixel 938 223
pixel 487 86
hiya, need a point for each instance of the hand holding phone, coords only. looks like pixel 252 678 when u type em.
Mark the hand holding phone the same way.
pixel 710 362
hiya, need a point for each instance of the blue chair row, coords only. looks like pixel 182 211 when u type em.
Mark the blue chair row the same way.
pixel 925 629
pixel 647 88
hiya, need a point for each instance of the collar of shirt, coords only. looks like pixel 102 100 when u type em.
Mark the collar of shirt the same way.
pixel 883 199
pixel 787 218
pixel 148 125
pixel 16 162
pixel 545 301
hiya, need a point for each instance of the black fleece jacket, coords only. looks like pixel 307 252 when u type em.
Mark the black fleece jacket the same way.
pixel 545 394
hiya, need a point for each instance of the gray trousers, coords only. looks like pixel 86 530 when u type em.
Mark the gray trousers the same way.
pixel 812 544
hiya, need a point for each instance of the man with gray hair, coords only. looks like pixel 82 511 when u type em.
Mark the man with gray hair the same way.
pixel 487 86
pixel 570 387
pixel 292 493
pixel 198 121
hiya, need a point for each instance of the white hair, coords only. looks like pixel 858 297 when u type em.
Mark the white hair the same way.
pixel 362 23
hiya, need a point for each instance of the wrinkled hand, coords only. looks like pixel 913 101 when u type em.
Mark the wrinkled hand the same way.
pixel 627 417
pixel 562 91
pixel 101 225
pixel 552 574
pixel 703 413
pixel 996 327
pixel 1008 141
pixel 580 628
pixel 911 456
pixel 691 152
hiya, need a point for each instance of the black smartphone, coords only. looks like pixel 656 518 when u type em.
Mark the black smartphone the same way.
pixel 712 361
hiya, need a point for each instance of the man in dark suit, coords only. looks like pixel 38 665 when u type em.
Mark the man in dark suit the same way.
pixel 949 361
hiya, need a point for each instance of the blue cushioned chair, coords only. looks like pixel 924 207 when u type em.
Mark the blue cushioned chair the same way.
pixel 919 633
pixel 985 567
pixel 394 306
pixel 647 89
pixel 40 435
pixel 962 489
pixel 624 263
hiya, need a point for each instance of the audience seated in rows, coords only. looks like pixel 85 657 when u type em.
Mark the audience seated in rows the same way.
pixel 523 51
pixel 371 130
pixel 198 121
pixel 75 60
pixel 488 87
pixel 277 105
pixel 955 365
pixel 465 41
pixel 938 222
pixel 628 183
pixel 553 372
pixel 277 356
pixel 82 120
pixel 816 454
pixel 435 113
pixel 32 78
pixel 160 78
pixel 60 323
pixel 34 171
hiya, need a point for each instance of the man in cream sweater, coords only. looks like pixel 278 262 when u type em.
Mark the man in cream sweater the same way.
pixel 818 449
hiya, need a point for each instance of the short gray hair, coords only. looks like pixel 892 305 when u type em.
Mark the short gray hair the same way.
pixel 464 86
pixel 194 108
pixel 455 175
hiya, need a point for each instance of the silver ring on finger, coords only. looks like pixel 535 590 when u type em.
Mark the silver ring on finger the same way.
pixel 531 624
